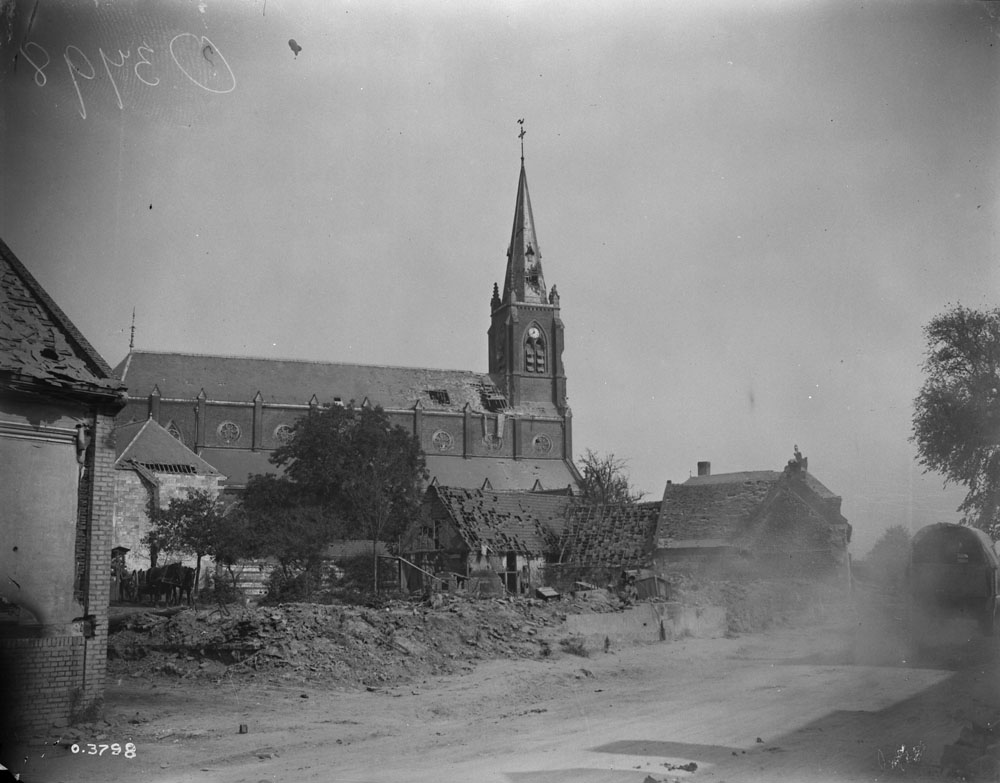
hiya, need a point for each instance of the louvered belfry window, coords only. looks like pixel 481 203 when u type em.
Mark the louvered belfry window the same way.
pixel 534 354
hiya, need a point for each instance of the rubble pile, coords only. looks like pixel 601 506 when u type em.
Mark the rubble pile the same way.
pixel 345 644
pixel 975 755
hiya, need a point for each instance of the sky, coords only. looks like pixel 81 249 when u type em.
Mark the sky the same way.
pixel 750 209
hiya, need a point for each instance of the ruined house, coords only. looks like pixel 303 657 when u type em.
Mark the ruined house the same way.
pixel 484 541
pixel 58 400
pixel 602 543
pixel 767 523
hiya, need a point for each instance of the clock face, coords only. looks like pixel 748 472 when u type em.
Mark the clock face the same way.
pixel 534 333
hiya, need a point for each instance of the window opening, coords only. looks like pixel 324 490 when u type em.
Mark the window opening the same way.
pixel 440 396
pixel 534 353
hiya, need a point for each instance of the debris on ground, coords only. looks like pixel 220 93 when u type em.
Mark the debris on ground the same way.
pixel 344 645
pixel 352 645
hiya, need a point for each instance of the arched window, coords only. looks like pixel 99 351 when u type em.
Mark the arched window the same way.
pixel 534 351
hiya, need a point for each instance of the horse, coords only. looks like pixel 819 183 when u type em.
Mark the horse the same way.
pixel 186 585
pixel 178 580
pixel 154 585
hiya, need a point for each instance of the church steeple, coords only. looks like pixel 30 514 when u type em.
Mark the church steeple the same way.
pixel 524 281
pixel 526 332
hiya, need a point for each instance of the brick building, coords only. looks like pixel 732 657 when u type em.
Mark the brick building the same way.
pixel 509 428
pixel 58 399
pixel 153 467
pixel 781 523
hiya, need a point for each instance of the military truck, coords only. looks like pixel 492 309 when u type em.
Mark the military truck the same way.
pixel 953 572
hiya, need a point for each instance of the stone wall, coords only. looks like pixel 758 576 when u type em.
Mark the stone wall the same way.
pixel 131 510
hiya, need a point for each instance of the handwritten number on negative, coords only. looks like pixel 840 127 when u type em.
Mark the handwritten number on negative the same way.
pixel 205 46
pixel 40 78
pixel 107 67
pixel 75 71
pixel 144 61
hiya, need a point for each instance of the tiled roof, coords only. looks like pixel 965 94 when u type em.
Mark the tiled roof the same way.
pixel 153 447
pixel 695 511
pixel 502 473
pixel 619 536
pixel 290 381
pixel 38 342
pixel 734 478
pixel 724 508
pixel 522 522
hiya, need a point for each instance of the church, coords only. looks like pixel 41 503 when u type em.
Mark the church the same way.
pixel 507 429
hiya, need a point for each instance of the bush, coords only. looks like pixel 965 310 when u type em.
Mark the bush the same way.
pixel 289 588
pixel 358 571
pixel 574 645
pixel 222 591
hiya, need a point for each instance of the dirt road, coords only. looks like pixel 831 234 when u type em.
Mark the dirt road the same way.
pixel 811 704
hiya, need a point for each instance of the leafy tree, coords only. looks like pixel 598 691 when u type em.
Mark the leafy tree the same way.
pixel 606 481
pixel 192 525
pixel 356 464
pixel 956 420
pixel 281 525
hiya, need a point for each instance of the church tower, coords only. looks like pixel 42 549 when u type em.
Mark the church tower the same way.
pixel 526 333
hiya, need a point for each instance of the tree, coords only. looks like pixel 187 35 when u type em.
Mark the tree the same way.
pixel 956 420
pixel 605 480
pixel 358 465
pixel 280 525
pixel 192 525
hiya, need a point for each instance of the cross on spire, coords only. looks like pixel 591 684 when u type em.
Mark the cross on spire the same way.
pixel 521 137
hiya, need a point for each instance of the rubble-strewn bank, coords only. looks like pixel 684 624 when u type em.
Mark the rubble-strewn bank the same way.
pixel 346 645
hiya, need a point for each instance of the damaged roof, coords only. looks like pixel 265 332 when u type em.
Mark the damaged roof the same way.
pixel 619 536
pixel 39 346
pixel 240 378
pixel 536 524
pixel 713 508
pixel 720 509
pixel 522 522
pixel 152 446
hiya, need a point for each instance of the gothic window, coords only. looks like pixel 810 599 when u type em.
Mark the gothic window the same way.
pixel 534 351
pixel 283 434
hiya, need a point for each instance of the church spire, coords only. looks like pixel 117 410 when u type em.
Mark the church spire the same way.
pixel 526 333
pixel 524 281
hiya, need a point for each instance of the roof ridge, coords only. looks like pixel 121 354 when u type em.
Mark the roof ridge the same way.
pixel 301 361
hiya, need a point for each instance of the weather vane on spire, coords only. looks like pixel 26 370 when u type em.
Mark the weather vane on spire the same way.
pixel 521 137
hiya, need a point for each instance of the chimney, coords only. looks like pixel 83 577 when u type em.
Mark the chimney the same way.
pixel 704 468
